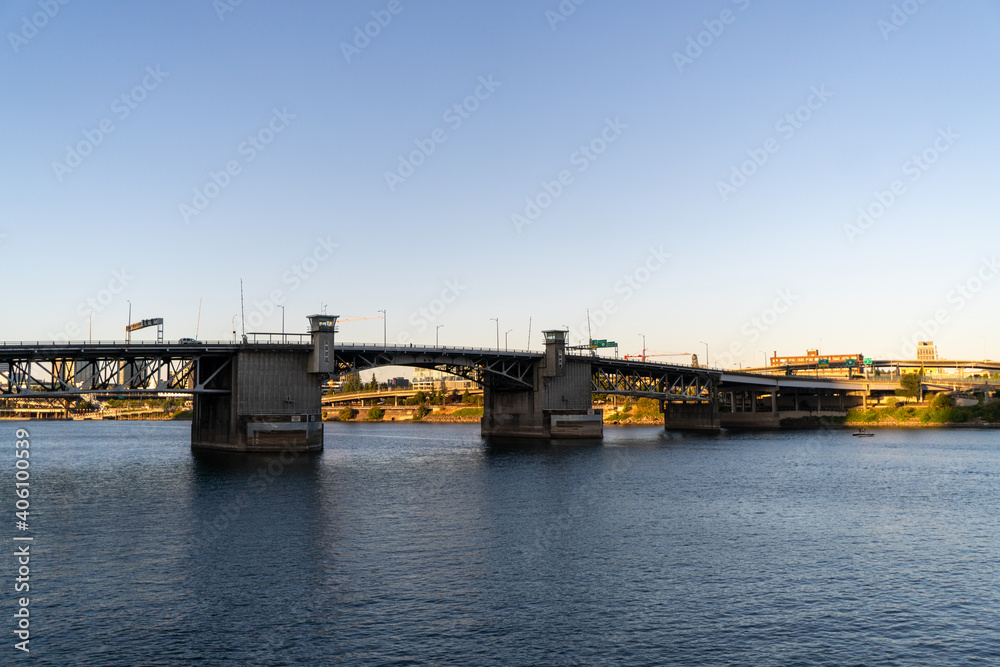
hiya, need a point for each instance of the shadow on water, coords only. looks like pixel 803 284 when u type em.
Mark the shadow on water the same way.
pixel 228 463
pixel 502 446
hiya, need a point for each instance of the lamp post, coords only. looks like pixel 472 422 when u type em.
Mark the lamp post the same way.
pixel 128 334
pixel 436 330
pixel 234 327
pixel 384 336
pixel 763 358
pixel 282 323
pixel 643 347
pixel 706 352
pixel 505 339
pixel 497 320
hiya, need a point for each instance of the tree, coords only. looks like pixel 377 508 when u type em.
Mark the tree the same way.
pixel 376 413
pixel 909 385
pixel 347 414
pixel 941 401
pixel 352 384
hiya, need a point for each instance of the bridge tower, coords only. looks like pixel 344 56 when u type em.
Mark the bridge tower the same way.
pixel 558 405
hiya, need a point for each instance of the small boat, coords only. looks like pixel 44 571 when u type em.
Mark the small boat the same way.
pixel 863 433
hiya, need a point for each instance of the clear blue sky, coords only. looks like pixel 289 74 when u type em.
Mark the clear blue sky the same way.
pixel 667 121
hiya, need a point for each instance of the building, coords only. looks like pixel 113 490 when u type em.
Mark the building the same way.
pixel 425 379
pixel 926 351
pixel 398 383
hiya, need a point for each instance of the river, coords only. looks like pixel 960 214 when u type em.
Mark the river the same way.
pixel 411 544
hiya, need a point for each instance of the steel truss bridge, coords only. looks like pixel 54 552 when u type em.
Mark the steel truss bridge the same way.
pixel 71 370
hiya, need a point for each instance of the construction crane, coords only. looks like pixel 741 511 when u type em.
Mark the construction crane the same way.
pixel 642 357
pixel 356 319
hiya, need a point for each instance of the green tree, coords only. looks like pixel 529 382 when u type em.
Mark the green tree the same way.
pixel 352 384
pixel 347 414
pixel 373 385
pixel 376 413
pixel 941 401
pixel 909 385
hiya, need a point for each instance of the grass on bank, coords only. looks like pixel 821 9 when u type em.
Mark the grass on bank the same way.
pixel 939 411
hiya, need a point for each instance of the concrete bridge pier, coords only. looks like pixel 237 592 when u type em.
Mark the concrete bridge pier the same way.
pixel 691 416
pixel 264 398
pixel 558 405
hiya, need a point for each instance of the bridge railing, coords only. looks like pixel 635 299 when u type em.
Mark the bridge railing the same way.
pixel 107 343
pixel 278 338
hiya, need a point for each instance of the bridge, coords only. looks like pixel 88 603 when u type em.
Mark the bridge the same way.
pixel 265 392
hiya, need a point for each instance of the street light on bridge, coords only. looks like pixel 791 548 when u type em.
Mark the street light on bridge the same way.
pixel 643 346
pixel 505 339
pixel 497 320
pixel 282 323
pixel 384 336
pixel 706 352
pixel 436 330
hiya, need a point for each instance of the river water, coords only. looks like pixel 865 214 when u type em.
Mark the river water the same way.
pixel 422 544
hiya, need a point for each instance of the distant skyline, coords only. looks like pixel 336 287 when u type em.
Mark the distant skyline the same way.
pixel 756 176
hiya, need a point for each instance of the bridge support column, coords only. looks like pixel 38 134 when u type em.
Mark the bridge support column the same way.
pixel 690 416
pixel 269 397
pixel 558 405
pixel 273 405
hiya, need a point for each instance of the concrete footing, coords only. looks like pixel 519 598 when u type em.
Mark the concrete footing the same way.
pixel 267 401
pixel 702 417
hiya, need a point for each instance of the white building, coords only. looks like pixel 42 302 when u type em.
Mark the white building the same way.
pixel 425 379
